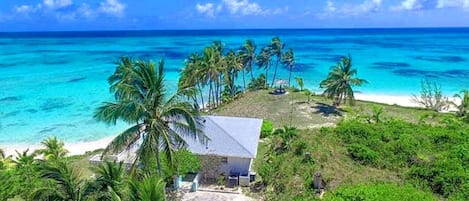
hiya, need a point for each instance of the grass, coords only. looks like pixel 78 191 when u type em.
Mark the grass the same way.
pixel 281 109
pixel 295 108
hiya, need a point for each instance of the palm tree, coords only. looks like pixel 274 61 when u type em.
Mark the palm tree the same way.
pixel 54 149
pixel 276 47
pixel 248 52
pixel 190 77
pixel 110 181
pixel 233 66
pixel 67 180
pixel 26 166
pixel 463 107
pixel 288 60
pixel 339 82
pixel 150 188
pixel 160 123
pixel 263 60
pixel 300 82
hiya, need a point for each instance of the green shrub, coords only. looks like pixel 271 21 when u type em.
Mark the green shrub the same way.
pixel 267 128
pixel 378 192
pixel 363 154
pixel 433 156
pixel 258 83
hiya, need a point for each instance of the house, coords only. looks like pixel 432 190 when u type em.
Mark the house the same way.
pixel 232 140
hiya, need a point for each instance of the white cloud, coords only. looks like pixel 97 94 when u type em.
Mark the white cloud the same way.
pixel 206 9
pixel 330 6
pixel 112 7
pixel 67 10
pixel 370 5
pixel 453 4
pixel 243 7
pixel 237 7
pixel 367 6
pixel 86 11
pixel 409 5
pixel 56 4
pixel 25 9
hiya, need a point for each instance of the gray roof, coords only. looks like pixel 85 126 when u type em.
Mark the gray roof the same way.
pixel 228 136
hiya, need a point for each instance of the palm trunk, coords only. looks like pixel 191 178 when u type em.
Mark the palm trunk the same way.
pixel 250 68
pixel 158 162
pixel 266 77
pixel 201 95
pixel 216 92
pixel 275 73
pixel 209 93
pixel 289 77
pixel 233 86
pixel 244 80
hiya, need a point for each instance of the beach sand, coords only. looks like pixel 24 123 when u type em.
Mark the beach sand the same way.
pixel 82 147
pixel 73 148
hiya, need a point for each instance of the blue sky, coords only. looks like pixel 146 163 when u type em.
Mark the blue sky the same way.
pixel 54 15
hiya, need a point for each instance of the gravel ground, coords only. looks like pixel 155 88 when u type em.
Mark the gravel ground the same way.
pixel 214 196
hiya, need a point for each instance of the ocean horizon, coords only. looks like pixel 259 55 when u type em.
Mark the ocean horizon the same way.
pixel 51 82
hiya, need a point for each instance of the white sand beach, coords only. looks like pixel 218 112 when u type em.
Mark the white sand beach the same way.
pixel 73 148
pixel 387 99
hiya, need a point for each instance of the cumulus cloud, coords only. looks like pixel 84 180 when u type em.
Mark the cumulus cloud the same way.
pixel 24 9
pixel 206 9
pixel 67 10
pixel 112 7
pixel 57 4
pixel 237 7
pixel 453 4
pixel 367 6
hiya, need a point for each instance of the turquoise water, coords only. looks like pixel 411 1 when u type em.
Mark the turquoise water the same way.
pixel 50 83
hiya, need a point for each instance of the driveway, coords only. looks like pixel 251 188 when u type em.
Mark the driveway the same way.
pixel 214 196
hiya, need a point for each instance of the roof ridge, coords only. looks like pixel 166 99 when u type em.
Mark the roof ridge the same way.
pixel 229 134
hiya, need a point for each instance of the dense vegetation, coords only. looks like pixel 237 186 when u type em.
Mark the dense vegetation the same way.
pixel 426 156
pixel 56 177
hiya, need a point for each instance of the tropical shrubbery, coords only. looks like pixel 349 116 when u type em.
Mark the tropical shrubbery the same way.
pixel 381 192
pixel 56 177
pixel 431 156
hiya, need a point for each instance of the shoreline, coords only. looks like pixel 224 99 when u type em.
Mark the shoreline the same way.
pixel 74 148
pixel 78 148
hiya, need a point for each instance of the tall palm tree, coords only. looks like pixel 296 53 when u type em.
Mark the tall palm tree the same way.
pixel 463 107
pixel 67 183
pixel 190 77
pixel 160 122
pixel 233 66
pixel 288 60
pixel 276 48
pixel 263 60
pixel 54 149
pixel 339 82
pixel 150 188
pixel 248 52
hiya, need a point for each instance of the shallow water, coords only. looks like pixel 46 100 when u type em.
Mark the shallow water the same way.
pixel 51 83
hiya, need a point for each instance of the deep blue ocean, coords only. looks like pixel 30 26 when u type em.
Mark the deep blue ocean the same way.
pixel 51 82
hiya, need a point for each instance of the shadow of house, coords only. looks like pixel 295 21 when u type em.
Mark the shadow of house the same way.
pixel 327 110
